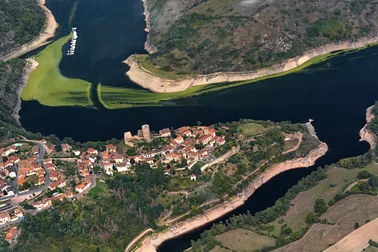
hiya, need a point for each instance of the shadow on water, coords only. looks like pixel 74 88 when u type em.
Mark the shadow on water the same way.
pixel 334 93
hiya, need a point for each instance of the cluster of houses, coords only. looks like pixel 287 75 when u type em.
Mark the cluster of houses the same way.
pixel 8 169
pixel 10 216
pixel 111 159
pixel 26 169
pixel 190 143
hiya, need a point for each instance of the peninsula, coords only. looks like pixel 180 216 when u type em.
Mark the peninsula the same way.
pixel 168 178
pixel 254 179
pixel 205 42
pixel 332 209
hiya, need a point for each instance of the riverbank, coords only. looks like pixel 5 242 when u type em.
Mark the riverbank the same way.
pixel 152 242
pixel 366 134
pixel 62 91
pixel 31 65
pixel 48 32
pixel 147 79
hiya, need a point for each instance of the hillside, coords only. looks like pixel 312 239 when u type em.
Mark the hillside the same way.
pixel 320 210
pixel 206 36
pixel 20 22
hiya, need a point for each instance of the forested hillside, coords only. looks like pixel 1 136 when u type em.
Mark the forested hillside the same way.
pixel 206 36
pixel 20 22
pixel 11 73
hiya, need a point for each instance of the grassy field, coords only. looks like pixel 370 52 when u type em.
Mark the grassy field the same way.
pixel 252 129
pixel 245 240
pixel 49 87
pixel 342 216
pixel 335 183
pixel 178 184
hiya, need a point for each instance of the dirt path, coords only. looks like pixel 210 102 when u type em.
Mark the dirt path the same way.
pixel 299 137
pixel 137 238
pixel 150 243
pixel 358 240
pixel 48 32
pixel 353 184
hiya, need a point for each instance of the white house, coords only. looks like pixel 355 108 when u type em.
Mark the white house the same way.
pixel 4 218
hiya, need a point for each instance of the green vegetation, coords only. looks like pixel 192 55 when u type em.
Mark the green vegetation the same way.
pixel 107 219
pixel 20 22
pixel 10 82
pixel 49 87
pixel 373 243
pixel 200 37
pixel 118 97
pixel 244 240
pixel 305 204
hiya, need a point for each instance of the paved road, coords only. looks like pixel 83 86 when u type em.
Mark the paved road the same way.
pixel 39 160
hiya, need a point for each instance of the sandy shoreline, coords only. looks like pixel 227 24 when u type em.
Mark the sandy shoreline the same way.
pixel 150 243
pixel 47 33
pixel 147 80
pixel 365 134
pixel 31 65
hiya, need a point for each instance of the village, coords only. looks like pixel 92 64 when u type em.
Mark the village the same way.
pixel 34 174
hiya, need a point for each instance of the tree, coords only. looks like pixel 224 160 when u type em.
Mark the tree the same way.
pixel 364 175
pixel 199 123
pixel 96 169
pixel 320 206
pixel 356 225
pixel 363 186
pixel 373 181
pixel 311 218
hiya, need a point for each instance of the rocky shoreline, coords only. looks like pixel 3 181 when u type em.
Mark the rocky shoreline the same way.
pixel 150 243
pixel 366 134
pixel 30 66
pixel 147 45
pixel 148 80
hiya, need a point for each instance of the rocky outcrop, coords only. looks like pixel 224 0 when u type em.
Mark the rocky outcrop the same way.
pixel 366 134
pixel 148 46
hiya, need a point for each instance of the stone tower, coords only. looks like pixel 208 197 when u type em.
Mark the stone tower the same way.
pixel 146 132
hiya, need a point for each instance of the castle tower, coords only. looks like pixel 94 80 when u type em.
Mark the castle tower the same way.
pixel 146 132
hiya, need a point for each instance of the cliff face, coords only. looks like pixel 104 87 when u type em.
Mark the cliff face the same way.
pixel 202 37
pixel 366 134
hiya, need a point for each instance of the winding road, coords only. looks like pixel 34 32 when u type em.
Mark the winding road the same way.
pixel 41 154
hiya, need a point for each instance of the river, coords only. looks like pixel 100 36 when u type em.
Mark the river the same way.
pixel 334 93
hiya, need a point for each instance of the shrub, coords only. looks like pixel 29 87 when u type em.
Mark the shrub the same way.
pixel 364 175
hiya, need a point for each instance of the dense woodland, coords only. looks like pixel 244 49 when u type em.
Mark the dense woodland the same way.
pixel 112 214
pixel 11 73
pixel 20 22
